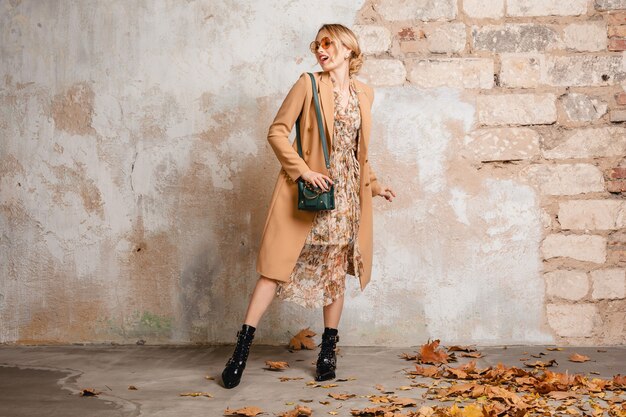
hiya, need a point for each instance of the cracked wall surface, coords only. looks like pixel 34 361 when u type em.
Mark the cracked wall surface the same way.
pixel 135 174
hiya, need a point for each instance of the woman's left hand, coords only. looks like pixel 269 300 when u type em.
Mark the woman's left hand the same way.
pixel 387 192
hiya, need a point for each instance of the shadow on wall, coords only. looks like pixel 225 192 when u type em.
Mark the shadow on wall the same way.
pixel 227 212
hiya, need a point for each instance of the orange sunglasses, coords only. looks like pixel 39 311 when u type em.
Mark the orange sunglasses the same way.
pixel 325 42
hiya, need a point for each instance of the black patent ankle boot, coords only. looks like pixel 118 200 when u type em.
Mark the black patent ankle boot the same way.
pixel 231 376
pixel 327 359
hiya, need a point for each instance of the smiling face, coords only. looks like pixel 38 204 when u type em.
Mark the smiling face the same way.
pixel 333 57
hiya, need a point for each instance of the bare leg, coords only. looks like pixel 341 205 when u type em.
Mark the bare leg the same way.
pixel 327 358
pixel 332 313
pixel 261 298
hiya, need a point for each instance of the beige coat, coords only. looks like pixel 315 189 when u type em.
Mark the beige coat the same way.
pixel 286 227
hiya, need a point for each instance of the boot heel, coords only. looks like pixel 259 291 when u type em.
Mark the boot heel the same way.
pixel 233 371
pixel 325 376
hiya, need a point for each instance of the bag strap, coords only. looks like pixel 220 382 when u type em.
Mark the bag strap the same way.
pixel 319 125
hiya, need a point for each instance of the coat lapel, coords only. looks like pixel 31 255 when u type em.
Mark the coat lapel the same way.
pixel 364 107
pixel 327 100
pixel 328 105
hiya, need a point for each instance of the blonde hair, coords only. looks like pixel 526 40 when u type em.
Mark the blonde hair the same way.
pixel 350 41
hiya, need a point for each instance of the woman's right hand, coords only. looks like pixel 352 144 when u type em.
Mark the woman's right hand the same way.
pixel 318 179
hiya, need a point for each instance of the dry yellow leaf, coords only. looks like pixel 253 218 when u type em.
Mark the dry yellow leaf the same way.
pixel 540 364
pixel 298 411
pixel 340 396
pixel 379 398
pixel 277 365
pixel 404 402
pixel 430 354
pixel 408 356
pixel 246 411
pixel 195 394
pixel 575 357
pixel 303 340
pixel 461 348
pixel 429 371
pixel 561 395
pixel 472 355
pixel 425 411
pixel 89 392
pixel 470 410
pixel 376 411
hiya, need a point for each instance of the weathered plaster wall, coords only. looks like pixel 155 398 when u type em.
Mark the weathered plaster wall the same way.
pixel 133 136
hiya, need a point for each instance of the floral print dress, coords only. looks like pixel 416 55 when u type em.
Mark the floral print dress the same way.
pixel 331 249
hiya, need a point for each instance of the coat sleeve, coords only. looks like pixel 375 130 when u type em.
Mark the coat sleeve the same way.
pixel 374 184
pixel 278 134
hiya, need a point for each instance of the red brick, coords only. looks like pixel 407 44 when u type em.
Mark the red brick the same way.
pixel 620 99
pixel 617 18
pixel 618 172
pixel 618 186
pixel 617 44
pixel 617 31
pixel 406 34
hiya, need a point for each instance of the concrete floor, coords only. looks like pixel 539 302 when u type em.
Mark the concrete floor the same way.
pixel 46 380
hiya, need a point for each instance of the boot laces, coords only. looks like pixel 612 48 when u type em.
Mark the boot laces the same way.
pixel 242 349
pixel 328 346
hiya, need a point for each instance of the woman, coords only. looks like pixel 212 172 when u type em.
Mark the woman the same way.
pixel 305 255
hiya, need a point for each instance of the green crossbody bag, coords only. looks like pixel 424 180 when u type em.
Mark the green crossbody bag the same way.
pixel 310 197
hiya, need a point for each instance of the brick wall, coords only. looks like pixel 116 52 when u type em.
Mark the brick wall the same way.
pixel 547 79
